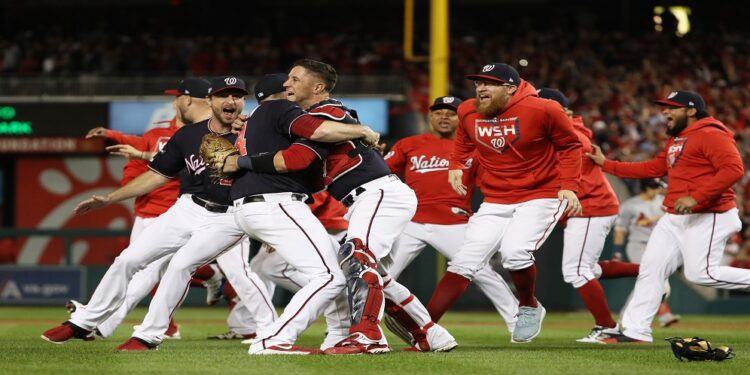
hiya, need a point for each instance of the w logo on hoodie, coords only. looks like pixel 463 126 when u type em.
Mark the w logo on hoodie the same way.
pixel 497 134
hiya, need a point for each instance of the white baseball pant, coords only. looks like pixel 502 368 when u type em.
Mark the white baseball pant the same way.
pixel 584 239
pixel 447 239
pixel 272 268
pixel 185 225
pixel 292 230
pixel 696 241
pixel 516 230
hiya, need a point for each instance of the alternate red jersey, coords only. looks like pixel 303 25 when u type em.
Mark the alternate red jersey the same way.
pixel 329 211
pixel 423 160
pixel 158 201
pixel 701 162
pixel 596 194
pixel 529 151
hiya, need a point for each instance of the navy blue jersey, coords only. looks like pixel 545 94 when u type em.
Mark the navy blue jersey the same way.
pixel 348 164
pixel 182 151
pixel 268 130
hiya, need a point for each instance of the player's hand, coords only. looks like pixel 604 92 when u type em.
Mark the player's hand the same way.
pixel 239 123
pixel 574 205
pixel 96 133
pixel 96 201
pixel 230 164
pixel 129 152
pixel 597 156
pixel 380 148
pixel 455 178
pixel 371 137
pixel 685 205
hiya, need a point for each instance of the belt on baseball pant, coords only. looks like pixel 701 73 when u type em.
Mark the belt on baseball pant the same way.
pixel 260 198
pixel 352 196
pixel 210 206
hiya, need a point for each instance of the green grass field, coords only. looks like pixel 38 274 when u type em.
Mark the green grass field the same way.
pixel 484 349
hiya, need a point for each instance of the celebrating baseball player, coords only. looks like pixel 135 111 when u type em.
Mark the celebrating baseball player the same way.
pixel 585 235
pixel 531 166
pixel 441 217
pixel 147 207
pixel 195 230
pixel 702 163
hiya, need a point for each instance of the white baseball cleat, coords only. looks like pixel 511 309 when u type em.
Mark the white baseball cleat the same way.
pixel 282 349
pixel 666 320
pixel 594 336
pixel 440 339
pixel 529 323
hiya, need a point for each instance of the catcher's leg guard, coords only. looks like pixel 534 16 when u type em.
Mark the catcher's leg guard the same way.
pixel 364 288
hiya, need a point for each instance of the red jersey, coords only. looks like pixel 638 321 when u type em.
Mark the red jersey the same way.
pixel 423 160
pixel 702 162
pixel 329 211
pixel 596 194
pixel 158 201
pixel 529 151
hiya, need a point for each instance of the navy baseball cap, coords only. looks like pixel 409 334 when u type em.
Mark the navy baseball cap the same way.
pixel 195 87
pixel 446 102
pixel 683 99
pixel 498 72
pixel 270 84
pixel 219 84
pixel 554 94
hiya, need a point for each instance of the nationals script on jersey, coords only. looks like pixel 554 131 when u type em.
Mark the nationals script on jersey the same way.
pixel 423 160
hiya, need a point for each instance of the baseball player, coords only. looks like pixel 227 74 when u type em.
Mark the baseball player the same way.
pixel 531 166
pixel 270 208
pixel 198 228
pixel 637 218
pixel 149 206
pixel 585 235
pixel 702 163
pixel 441 216
pixel 379 206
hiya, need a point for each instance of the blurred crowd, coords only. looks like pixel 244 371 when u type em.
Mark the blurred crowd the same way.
pixel 611 78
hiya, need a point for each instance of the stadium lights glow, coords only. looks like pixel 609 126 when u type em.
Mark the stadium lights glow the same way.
pixel 680 13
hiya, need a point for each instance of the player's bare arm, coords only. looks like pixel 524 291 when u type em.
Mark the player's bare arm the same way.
pixel 129 152
pixel 332 132
pixel 145 183
pixel 597 156
pixel 574 205
pixel 455 178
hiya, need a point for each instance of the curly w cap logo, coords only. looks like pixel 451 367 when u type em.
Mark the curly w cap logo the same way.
pixel 487 68
pixel 230 80
pixel 448 100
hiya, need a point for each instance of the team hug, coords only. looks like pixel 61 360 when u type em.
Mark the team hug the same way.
pixel 334 220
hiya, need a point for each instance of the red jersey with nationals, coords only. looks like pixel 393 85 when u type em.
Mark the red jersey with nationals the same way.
pixel 423 160
pixel 160 199
pixel 528 151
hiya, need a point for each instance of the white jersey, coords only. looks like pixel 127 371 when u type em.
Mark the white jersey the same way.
pixel 639 217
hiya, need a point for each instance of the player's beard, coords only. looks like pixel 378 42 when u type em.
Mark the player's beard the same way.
pixel 491 108
pixel 678 124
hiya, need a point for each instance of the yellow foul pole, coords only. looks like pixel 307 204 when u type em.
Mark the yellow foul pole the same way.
pixel 439 48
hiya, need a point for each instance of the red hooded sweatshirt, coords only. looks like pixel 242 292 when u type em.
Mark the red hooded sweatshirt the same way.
pixel 702 162
pixel 596 194
pixel 529 151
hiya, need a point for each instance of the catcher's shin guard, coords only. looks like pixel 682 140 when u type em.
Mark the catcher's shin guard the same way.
pixel 364 287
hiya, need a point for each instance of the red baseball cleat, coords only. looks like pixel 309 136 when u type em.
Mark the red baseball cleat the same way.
pixel 65 332
pixel 135 344
pixel 358 344
pixel 173 331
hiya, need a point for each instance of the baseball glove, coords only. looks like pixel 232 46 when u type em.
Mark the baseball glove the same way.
pixel 698 349
pixel 214 151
